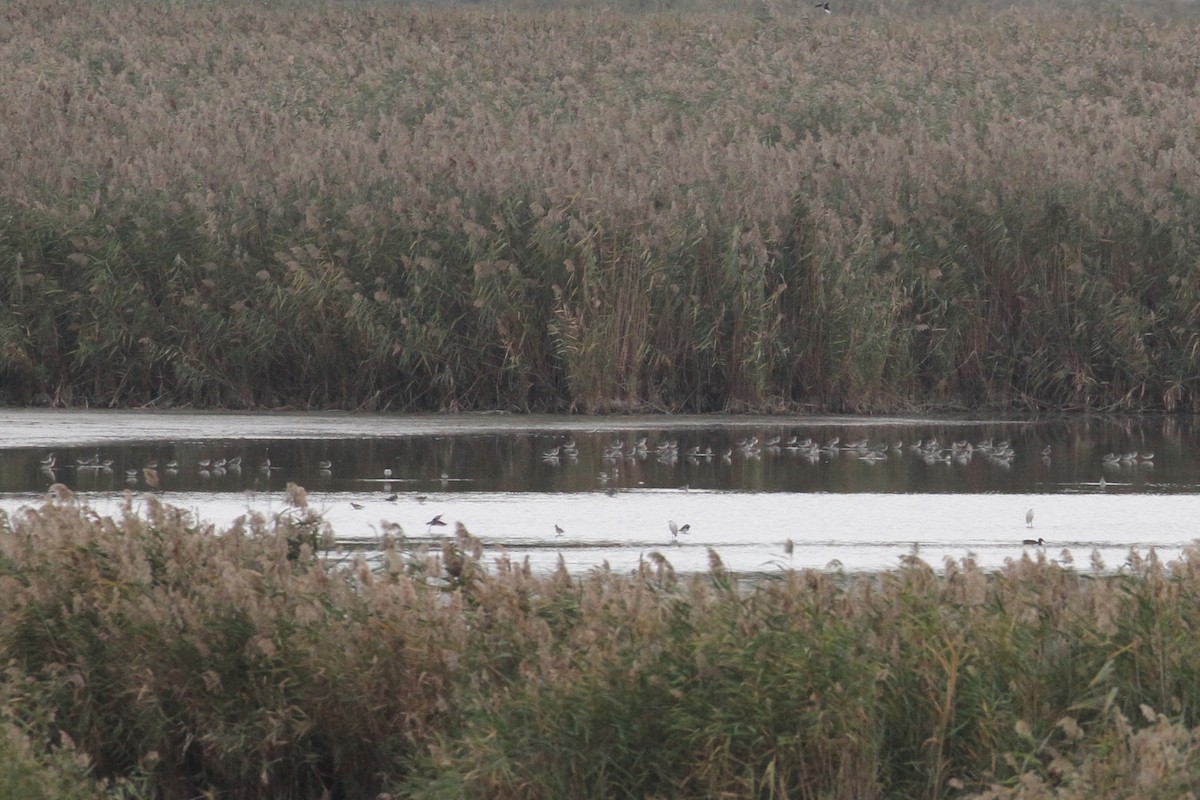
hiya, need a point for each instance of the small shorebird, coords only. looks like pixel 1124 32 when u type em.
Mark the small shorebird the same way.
pixel 1038 542
pixel 1029 518
pixel 558 530
pixel 435 522
pixel 356 506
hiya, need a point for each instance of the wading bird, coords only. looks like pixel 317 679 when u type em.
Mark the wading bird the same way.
pixel 1029 518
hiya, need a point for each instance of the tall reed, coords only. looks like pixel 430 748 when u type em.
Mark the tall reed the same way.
pixel 424 208
pixel 152 655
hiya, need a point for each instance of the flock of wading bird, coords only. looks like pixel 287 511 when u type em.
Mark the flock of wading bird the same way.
pixel 931 451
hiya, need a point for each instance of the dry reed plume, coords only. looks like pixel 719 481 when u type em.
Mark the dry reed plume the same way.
pixel 371 206
pixel 153 656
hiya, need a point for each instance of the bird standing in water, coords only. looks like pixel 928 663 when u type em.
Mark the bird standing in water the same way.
pixel 1029 518
pixel 677 529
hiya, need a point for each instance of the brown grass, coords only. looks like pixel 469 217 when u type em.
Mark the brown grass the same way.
pixel 173 660
pixel 397 207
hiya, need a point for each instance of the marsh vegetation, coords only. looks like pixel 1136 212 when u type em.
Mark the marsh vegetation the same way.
pixel 149 655
pixel 389 207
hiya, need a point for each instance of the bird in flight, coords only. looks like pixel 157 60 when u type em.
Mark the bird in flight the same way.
pixel 824 7
pixel 435 522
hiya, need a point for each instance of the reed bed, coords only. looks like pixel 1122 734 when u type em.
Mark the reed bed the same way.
pixel 760 207
pixel 150 655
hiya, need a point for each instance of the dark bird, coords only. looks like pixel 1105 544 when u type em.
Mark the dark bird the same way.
pixel 1038 542
pixel 558 531
pixel 435 522
pixel 677 529
pixel 824 7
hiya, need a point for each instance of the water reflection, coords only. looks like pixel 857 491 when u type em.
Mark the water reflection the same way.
pixel 1056 456
pixel 851 492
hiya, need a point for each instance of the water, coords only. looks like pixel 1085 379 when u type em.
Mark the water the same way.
pixel 493 473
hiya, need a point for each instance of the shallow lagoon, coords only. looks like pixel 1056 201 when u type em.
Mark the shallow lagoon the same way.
pixel 840 506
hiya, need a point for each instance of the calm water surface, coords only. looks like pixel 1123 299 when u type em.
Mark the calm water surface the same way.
pixel 942 487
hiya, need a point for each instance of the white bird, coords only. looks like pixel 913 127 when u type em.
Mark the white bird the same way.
pixel 1029 518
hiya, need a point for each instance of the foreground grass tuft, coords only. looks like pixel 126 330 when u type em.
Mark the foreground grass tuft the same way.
pixel 152 655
